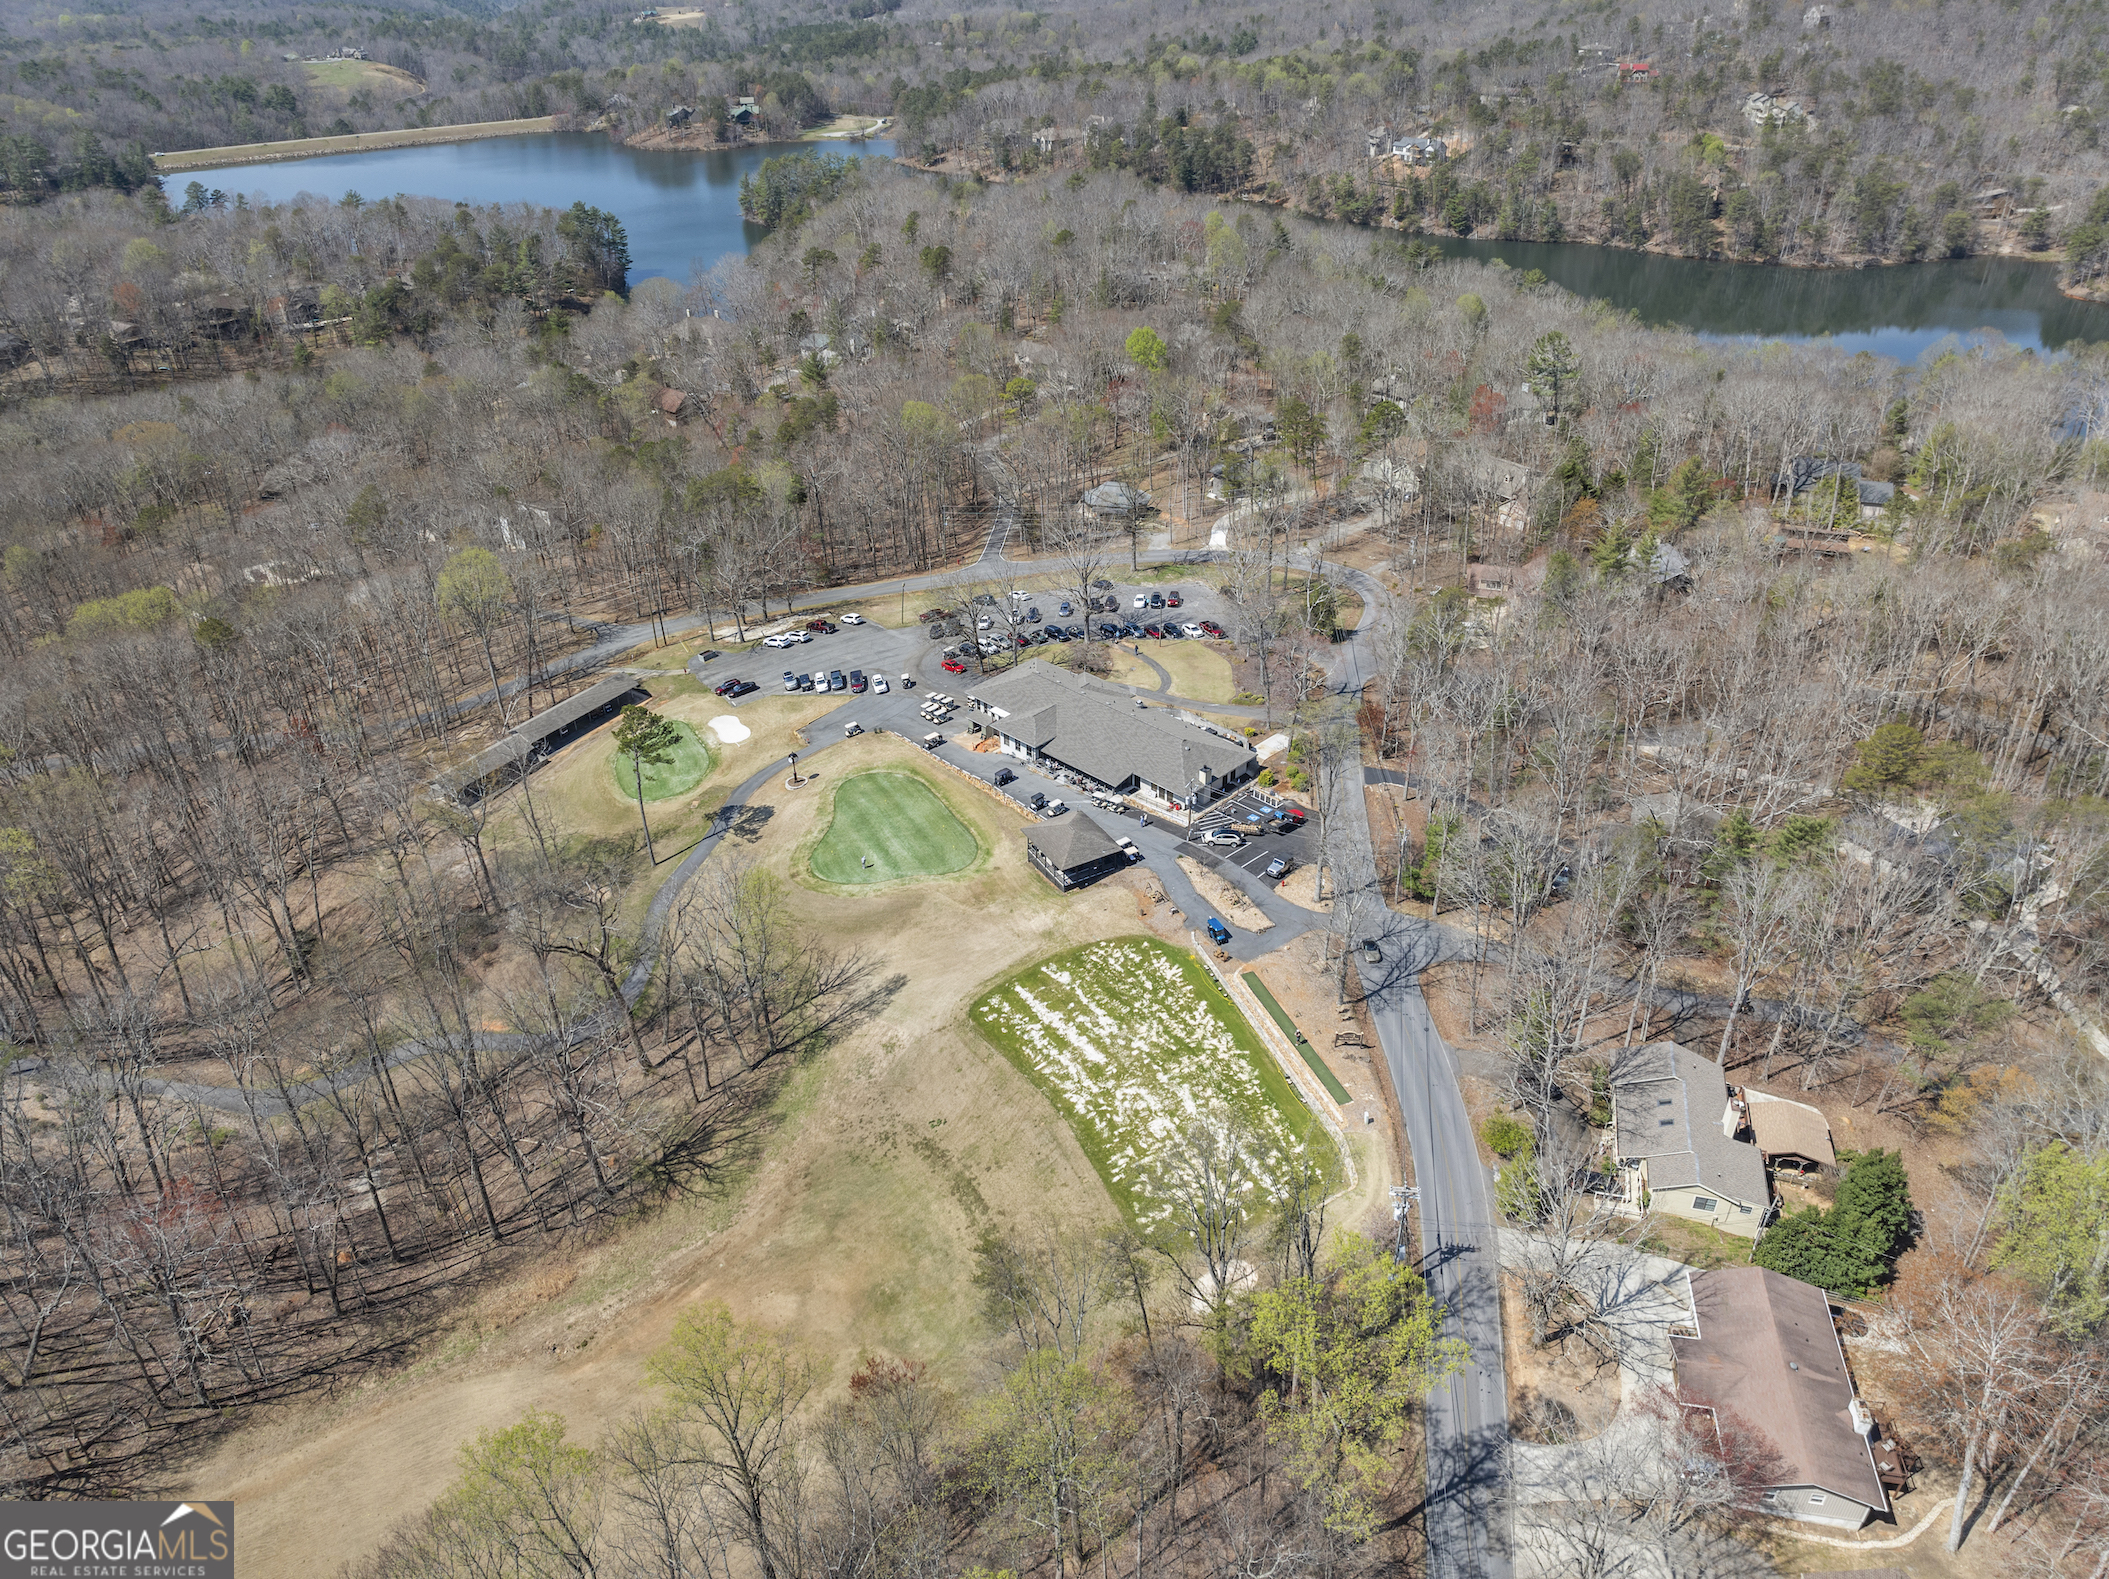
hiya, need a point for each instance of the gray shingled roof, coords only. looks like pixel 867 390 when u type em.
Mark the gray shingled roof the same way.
pixel 1667 1102
pixel 518 746
pixel 1072 841
pixel 1116 498
pixel 1768 1355
pixel 1104 734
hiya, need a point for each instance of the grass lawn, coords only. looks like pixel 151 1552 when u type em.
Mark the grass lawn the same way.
pixel 688 763
pixel 348 76
pixel 1696 1244
pixel 897 823
pixel 1197 670
pixel 1131 1039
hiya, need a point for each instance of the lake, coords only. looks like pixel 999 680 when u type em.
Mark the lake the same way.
pixel 682 209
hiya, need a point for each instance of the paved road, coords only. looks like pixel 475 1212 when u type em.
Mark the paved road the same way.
pixel 1468 1520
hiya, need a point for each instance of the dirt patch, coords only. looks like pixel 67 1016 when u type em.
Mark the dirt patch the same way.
pixel 851 1228
pixel 1300 887
pixel 1229 900
pixel 1561 1392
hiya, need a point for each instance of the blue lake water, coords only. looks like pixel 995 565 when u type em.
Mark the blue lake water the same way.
pixel 682 210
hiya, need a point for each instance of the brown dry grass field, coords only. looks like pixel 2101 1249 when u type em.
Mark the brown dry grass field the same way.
pixel 851 1228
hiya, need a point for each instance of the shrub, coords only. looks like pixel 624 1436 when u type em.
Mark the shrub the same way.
pixel 1506 1135
pixel 1848 1249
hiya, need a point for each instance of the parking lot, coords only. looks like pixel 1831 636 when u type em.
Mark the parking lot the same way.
pixel 872 648
pixel 1058 608
pixel 1299 846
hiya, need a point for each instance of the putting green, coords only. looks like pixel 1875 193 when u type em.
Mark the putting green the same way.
pixel 687 765
pixel 887 826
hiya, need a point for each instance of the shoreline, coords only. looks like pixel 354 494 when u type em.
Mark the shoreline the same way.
pixel 190 159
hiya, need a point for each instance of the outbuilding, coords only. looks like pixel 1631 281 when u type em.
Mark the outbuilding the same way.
pixel 1073 851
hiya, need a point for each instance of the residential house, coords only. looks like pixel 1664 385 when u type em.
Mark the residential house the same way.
pixel 1674 1139
pixel 1790 1136
pixel 674 404
pixel 1115 501
pixel 746 112
pixel 1767 1360
pixel 679 116
pixel 1802 473
pixel 1073 851
pixel 1046 715
pixel 1762 110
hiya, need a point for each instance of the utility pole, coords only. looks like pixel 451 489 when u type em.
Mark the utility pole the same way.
pixel 1403 1197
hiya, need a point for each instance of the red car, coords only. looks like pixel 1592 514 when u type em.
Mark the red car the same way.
pixel 1212 628
pixel 725 686
pixel 1171 600
pixel 820 627
pixel 954 666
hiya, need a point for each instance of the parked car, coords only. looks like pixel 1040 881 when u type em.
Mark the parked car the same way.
pixel 938 632
pixel 1103 585
pixel 1142 600
pixel 725 685
pixel 1064 608
pixel 790 681
pixel 856 681
pixel 1156 600
pixel 954 666
pixel 853 619
pixel 778 641
pixel 1020 595
pixel 1173 632
pixel 817 625
pixel 1216 930
pixel 1370 952
pixel 1191 631
pixel 1023 641
pixel 1278 868
pixel 931 614
pixel 1213 629
pixel 1004 776
pixel 1032 616
pixel 1228 838
pixel 1153 632
pixel 1128 848
pixel 1292 818
pixel 879 685
pixel 985 600
pixel 709 653
pixel 744 688
pixel 805 682
pixel 835 680
pixel 1171 600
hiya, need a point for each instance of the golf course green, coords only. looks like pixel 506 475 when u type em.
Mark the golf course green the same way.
pixel 889 826
pixel 687 765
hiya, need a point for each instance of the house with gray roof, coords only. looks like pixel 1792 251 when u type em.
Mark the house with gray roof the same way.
pixel 1675 1140
pixel 1045 715
pixel 1765 1359
pixel 1072 851
pixel 1115 501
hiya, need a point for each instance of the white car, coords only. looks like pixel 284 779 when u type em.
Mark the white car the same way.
pixel 1191 631
pixel 983 623
pixel 1020 597
pixel 1142 600
pixel 1222 836
pixel 853 619
pixel 778 641
pixel 880 686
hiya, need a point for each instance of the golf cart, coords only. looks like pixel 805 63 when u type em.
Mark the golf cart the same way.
pixel 852 728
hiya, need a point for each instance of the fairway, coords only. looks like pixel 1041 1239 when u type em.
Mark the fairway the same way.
pixel 690 763
pixel 895 822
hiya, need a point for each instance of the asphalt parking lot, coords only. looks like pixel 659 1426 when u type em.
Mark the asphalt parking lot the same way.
pixel 1300 846
pixel 872 648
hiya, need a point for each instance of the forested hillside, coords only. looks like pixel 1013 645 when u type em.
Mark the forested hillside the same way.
pixel 1886 131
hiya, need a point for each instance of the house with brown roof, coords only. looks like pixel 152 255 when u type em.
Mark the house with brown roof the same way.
pixel 1766 1357
pixel 1674 1138
pixel 1788 1135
